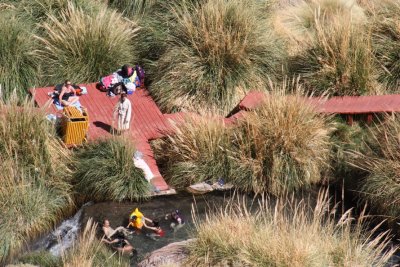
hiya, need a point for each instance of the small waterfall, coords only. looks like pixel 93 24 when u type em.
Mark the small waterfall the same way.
pixel 62 237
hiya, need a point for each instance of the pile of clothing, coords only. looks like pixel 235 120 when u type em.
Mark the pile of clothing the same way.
pixel 126 79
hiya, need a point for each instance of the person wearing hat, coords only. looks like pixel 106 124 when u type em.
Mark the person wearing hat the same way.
pixel 123 113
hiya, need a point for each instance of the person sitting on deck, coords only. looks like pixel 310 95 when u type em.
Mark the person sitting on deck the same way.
pixel 115 238
pixel 68 94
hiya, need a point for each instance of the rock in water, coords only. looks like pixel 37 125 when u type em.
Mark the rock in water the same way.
pixel 173 254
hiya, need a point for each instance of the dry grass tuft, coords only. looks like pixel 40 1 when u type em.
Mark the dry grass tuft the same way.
pixel 105 171
pixel 289 233
pixel 214 53
pixel 282 146
pixel 381 187
pixel 83 47
pixel 297 22
pixel 35 176
pixel 18 64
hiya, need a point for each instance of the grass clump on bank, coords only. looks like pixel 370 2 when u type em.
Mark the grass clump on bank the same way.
pixel 84 47
pixel 40 10
pixel 298 22
pixel 330 47
pixel 89 251
pixel 385 25
pixel 132 8
pixel 288 233
pixel 282 146
pixel 18 64
pixel 214 53
pixel 36 190
pixel 105 171
pixel 381 187
pixel 40 258
pixel 195 153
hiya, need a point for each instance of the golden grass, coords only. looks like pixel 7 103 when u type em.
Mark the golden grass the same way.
pixel 289 233
pixel 35 176
pixel 105 171
pixel 214 53
pixel 381 187
pixel 196 152
pixel 83 47
pixel 282 146
pixel 297 22
pixel 19 67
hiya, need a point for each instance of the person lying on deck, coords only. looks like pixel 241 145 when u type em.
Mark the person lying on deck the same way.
pixel 68 94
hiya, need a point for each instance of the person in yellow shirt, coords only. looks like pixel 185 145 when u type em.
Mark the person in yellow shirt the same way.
pixel 137 220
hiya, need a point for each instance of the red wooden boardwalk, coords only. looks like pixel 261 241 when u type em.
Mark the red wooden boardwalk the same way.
pixel 337 105
pixel 147 122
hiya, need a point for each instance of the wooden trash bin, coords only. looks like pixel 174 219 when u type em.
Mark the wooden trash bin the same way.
pixel 74 125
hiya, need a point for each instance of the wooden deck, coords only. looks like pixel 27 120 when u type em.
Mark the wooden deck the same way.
pixel 336 105
pixel 147 122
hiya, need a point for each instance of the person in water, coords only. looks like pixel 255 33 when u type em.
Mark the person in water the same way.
pixel 115 238
pixel 157 231
pixel 178 221
pixel 137 220
pixel 68 94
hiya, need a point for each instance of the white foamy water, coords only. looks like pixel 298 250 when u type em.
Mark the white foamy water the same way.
pixel 61 238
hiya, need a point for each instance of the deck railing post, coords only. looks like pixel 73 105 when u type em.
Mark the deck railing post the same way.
pixel 369 119
pixel 350 119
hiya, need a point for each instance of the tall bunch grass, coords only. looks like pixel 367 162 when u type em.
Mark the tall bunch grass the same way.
pixel 40 10
pixel 381 187
pixel 282 146
pixel 18 64
pixel 135 8
pixel 214 52
pixel 346 138
pixel 289 233
pixel 330 46
pixel 28 210
pixel 339 61
pixel 297 21
pixel 385 24
pixel 105 171
pixel 88 251
pixel 29 141
pixel 40 258
pixel 35 176
pixel 83 47
pixel 195 152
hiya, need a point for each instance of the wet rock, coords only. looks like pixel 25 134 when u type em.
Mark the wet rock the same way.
pixel 173 254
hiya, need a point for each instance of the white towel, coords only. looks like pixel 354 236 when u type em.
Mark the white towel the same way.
pixel 141 164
